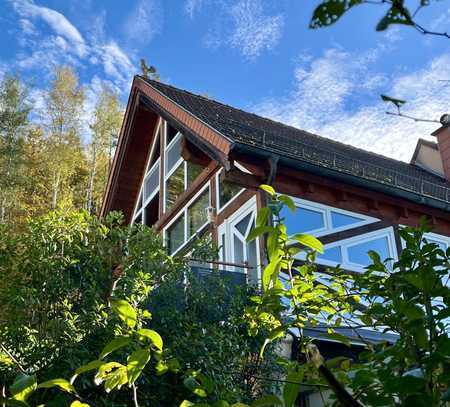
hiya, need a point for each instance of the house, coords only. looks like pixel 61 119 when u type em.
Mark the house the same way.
pixel 188 165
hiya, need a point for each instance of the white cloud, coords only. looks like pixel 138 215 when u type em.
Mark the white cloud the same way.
pixel 254 31
pixel 337 96
pixel 57 21
pixel 40 50
pixel 191 7
pixel 244 25
pixel 144 21
pixel 116 63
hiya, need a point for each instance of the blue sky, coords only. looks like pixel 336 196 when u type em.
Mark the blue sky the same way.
pixel 258 55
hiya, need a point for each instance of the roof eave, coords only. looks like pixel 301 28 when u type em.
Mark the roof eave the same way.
pixel 347 178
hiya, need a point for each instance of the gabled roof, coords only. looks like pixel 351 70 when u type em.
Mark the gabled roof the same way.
pixel 247 129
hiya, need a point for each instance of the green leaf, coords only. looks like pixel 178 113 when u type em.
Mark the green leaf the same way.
pixel 258 231
pixel 62 384
pixel 271 270
pixel 187 403
pixel 125 312
pixel 275 334
pixel 23 387
pixel 395 101
pixel 136 364
pixel 267 401
pixel 330 11
pixel 308 241
pixel 268 189
pixel 93 365
pixel 113 374
pixel 115 344
pixel 153 336
pixel 292 387
pixel 413 311
pixel 397 14
pixel 288 201
pixel 263 215
pixel 78 403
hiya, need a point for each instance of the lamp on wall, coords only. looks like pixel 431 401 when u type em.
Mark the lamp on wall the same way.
pixel 210 213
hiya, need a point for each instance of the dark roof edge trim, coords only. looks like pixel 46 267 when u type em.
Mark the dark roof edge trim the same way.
pixel 184 109
pixel 348 178
pixel 198 141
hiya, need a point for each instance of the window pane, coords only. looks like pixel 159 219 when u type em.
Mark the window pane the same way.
pixel 151 183
pixel 242 226
pixel 171 133
pixel 358 254
pixel 173 155
pixel 332 254
pixel 238 250
pixel 175 234
pixel 174 186
pixel 303 220
pixel 227 191
pixel 339 219
pixel 197 216
pixel 193 171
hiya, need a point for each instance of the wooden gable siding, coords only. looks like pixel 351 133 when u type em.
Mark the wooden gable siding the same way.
pixel 130 159
pixel 133 147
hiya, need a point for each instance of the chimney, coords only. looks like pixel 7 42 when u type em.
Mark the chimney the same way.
pixel 443 140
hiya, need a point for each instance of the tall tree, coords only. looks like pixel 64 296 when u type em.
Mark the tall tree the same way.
pixel 14 111
pixel 64 109
pixel 105 127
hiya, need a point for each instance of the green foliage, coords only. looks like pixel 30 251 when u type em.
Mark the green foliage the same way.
pixel 398 12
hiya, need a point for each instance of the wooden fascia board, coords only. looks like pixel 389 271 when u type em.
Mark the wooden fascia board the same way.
pixel 214 141
pixel 120 149
pixel 187 119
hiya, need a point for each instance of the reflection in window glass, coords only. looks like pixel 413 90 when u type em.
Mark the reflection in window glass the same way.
pixel 193 171
pixel 227 191
pixel 197 215
pixel 358 253
pixel 339 219
pixel 332 254
pixel 238 250
pixel 174 186
pixel 242 226
pixel 173 155
pixel 175 234
pixel 151 182
pixel 303 220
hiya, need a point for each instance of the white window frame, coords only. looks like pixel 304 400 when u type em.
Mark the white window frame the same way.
pixel 184 211
pixel 225 229
pixel 326 213
pixel 353 241
pixel 217 180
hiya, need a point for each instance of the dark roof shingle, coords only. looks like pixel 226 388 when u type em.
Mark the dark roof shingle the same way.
pixel 249 129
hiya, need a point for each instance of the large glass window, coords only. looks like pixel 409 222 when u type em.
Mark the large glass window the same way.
pixel 197 213
pixel 175 234
pixel 174 186
pixel 192 221
pixel 226 190
pixel 193 171
pixel 339 220
pixel 303 220
pixel 173 154
pixel 151 182
pixel 358 253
